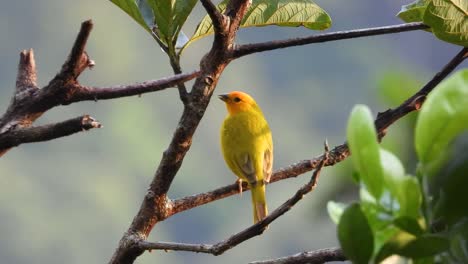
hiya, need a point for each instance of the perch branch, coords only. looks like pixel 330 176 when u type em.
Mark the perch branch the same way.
pixel 254 230
pixel 337 154
pixel 47 132
pixel 310 257
pixel 246 49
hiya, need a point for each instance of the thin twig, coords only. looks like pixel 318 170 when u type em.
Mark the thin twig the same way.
pixel 18 136
pixel 77 60
pixel 175 64
pixel 102 93
pixel 310 257
pixel 246 49
pixel 254 230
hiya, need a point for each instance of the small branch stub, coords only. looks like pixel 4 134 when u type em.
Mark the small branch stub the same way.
pixel 27 76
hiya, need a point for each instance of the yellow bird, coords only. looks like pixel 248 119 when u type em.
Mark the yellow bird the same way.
pixel 248 147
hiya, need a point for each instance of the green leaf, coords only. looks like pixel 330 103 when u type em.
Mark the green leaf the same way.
pixel 355 235
pixel 425 246
pixel 409 224
pixel 335 210
pixel 443 116
pixel 413 12
pixel 404 188
pixel 409 196
pixel 132 9
pixel 408 245
pixel 287 13
pixel 362 142
pixel 170 16
pixel 448 20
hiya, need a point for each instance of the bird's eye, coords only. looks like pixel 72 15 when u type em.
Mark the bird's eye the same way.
pixel 237 99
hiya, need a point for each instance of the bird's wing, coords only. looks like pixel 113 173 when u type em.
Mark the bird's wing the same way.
pixel 267 164
pixel 245 165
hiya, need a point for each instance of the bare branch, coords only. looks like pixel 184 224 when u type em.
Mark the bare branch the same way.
pixel 254 230
pixel 19 136
pixel 101 93
pixel 198 248
pixel 77 60
pixel 310 257
pixel 216 17
pixel 246 49
pixel 385 119
pixel 27 76
pixel 175 64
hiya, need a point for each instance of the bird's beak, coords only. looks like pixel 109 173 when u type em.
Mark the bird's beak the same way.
pixel 223 97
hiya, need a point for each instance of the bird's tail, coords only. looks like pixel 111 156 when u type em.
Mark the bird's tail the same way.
pixel 260 209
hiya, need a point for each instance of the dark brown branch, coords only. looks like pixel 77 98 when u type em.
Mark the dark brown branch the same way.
pixel 27 76
pixel 254 230
pixel 18 136
pixel 246 49
pixel 175 64
pixel 216 17
pixel 310 257
pixel 77 60
pixel 101 93
pixel 337 154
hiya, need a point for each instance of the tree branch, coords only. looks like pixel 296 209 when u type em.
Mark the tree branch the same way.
pixel 216 17
pixel 310 257
pixel 337 154
pixel 246 49
pixel 18 136
pixel 102 93
pixel 254 230
pixel 77 60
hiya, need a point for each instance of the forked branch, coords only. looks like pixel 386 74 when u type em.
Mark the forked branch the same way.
pixel 29 102
pixel 254 230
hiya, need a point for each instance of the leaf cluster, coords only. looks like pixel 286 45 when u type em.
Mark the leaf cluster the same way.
pixel 395 214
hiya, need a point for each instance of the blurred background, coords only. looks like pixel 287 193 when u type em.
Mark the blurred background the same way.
pixel 71 199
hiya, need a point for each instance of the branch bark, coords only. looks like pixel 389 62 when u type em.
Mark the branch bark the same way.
pixel 310 257
pixel 48 132
pixel 254 230
pixel 246 49
pixel 84 93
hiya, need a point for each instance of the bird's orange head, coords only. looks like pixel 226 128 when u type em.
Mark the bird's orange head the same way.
pixel 238 102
